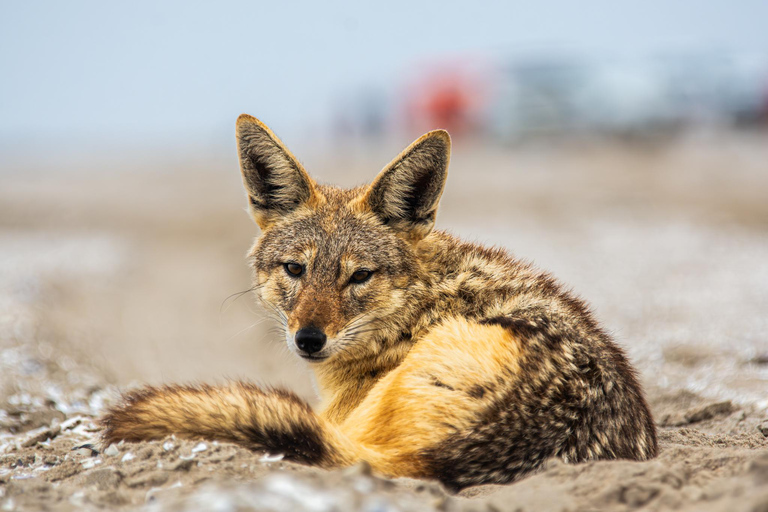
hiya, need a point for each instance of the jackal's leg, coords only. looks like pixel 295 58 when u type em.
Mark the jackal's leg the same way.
pixel 273 420
pixel 442 388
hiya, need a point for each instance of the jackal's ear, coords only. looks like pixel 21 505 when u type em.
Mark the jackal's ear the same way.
pixel 275 181
pixel 406 193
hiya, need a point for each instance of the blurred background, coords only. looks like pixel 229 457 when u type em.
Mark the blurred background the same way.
pixel 621 145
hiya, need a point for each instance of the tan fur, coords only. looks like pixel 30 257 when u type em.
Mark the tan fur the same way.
pixel 448 361
pixel 427 394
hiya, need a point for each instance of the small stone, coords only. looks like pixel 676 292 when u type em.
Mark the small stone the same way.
pixel 271 458
pixel 200 447
pixel 90 463
pixel 128 457
pixel 83 452
pixel 80 450
pixel 168 446
pixel 72 423
pixel 112 451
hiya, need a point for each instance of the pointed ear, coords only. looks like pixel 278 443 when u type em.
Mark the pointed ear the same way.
pixel 406 193
pixel 275 181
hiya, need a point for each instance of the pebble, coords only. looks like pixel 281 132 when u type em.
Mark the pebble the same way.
pixel 92 452
pixel 200 447
pixel 90 463
pixel 128 456
pixel 72 423
pixel 271 458
pixel 112 451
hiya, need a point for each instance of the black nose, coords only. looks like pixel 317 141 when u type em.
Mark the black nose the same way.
pixel 310 340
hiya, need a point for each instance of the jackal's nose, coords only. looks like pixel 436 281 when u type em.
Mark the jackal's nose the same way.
pixel 310 340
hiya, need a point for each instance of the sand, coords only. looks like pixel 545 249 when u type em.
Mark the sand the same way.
pixel 113 279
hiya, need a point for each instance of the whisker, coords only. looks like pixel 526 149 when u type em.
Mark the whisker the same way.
pixel 236 296
pixel 355 333
pixel 280 316
pixel 359 326
pixel 238 333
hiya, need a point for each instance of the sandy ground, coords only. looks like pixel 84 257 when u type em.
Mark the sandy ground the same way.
pixel 117 272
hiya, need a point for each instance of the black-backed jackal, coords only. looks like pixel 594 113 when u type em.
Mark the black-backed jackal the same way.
pixel 436 358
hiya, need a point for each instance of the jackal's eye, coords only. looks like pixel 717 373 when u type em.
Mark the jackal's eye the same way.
pixel 360 276
pixel 294 269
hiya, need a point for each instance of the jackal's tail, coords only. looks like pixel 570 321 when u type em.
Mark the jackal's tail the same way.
pixel 273 420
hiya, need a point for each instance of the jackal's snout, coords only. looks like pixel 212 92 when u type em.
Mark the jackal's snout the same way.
pixel 310 340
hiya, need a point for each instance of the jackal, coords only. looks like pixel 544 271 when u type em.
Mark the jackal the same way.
pixel 435 358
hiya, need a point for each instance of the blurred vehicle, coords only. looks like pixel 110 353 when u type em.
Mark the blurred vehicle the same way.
pixel 643 97
pixel 528 98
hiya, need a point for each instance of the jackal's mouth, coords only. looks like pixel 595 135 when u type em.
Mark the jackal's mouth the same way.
pixel 314 359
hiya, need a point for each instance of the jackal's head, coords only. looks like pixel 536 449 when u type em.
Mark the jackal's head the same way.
pixel 338 267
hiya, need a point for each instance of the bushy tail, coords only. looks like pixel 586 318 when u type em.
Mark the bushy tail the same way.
pixel 272 420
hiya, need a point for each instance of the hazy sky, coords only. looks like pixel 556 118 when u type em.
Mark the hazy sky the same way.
pixel 77 71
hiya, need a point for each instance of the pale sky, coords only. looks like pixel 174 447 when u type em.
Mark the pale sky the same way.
pixel 75 72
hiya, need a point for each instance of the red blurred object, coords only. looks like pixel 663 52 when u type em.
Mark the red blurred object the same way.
pixel 451 99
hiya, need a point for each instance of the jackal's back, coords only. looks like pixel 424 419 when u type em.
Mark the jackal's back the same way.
pixel 573 394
